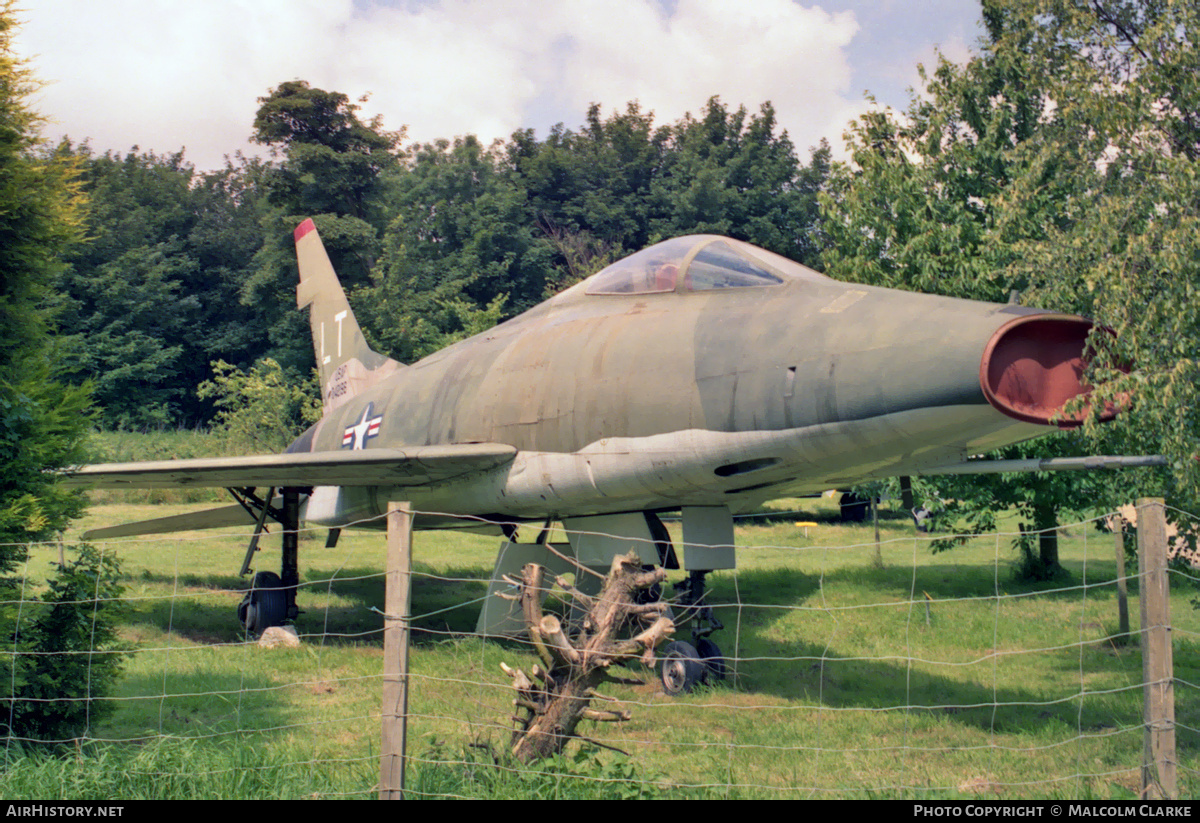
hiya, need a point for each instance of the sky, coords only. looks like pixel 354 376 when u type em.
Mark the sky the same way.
pixel 166 75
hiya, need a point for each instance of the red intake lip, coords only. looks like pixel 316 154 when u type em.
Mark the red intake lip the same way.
pixel 1033 366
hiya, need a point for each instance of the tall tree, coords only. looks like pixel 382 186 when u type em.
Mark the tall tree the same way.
pixel 924 205
pixel 330 166
pixel 333 162
pixel 1122 80
pixel 463 248
pixel 42 420
pixel 618 184
pixel 598 179
pixel 728 172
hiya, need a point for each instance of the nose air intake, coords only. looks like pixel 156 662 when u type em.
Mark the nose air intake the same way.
pixel 1033 366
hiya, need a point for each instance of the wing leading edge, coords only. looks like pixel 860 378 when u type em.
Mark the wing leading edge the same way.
pixel 417 466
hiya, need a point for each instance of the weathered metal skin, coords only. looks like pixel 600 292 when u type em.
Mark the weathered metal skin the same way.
pixel 581 368
pixel 701 375
pixel 682 396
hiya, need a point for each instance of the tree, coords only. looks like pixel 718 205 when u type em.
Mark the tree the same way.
pixel 68 655
pixel 727 172
pixel 331 166
pixel 923 206
pixel 1123 81
pixel 1038 166
pixel 259 411
pixel 619 184
pixel 42 420
pixel 151 298
pixel 597 180
pixel 334 162
pixel 462 249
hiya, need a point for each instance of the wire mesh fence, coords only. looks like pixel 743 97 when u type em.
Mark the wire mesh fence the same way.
pixel 851 670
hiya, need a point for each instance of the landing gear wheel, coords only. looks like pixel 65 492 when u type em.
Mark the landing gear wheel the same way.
pixel 853 509
pixel 266 604
pixel 710 656
pixel 681 668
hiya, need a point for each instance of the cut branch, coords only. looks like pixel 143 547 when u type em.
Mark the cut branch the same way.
pixel 556 698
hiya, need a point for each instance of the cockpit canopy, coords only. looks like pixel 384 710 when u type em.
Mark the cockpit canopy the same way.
pixel 697 263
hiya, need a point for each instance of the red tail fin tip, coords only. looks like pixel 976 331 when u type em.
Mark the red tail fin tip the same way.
pixel 304 228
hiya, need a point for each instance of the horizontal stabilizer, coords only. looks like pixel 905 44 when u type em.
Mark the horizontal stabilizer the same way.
pixel 236 516
pixel 416 466
pixel 222 517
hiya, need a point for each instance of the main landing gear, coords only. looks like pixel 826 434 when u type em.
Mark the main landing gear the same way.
pixel 685 665
pixel 594 540
pixel 271 600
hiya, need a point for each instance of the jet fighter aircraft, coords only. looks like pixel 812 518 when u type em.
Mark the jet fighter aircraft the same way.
pixel 701 375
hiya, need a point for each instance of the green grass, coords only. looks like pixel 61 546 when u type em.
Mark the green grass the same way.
pixel 174 768
pixel 841 688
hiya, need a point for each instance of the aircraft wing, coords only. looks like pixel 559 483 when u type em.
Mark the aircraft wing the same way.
pixel 1045 464
pixel 416 466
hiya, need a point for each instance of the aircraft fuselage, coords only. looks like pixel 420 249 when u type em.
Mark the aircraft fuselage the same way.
pixel 697 396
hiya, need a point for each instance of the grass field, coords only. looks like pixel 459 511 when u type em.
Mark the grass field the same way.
pixel 926 676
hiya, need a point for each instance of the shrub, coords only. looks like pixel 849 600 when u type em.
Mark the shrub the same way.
pixel 65 656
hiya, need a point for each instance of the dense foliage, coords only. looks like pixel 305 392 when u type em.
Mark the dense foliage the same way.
pixel 433 242
pixel 42 419
pixel 153 296
pixel 258 410
pixel 51 646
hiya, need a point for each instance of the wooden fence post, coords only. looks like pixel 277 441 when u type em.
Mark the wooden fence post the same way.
pixel 1158 759
pixel 393 751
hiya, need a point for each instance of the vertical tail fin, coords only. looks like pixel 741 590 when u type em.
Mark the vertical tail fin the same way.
pixel 346 363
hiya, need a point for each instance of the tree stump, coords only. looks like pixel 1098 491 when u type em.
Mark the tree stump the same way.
pixel 556 695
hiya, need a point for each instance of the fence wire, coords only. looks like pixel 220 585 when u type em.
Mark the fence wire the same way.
pixel 853 670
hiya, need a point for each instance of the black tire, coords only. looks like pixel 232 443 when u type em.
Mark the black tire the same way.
pixel 710 657
pixel 680 668
pixel 853 509
pixel 266 605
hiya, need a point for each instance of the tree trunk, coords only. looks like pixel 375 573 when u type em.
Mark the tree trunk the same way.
pixel 1046 523
pixel 555 698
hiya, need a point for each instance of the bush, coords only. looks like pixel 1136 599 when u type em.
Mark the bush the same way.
pixel 66 653
pixel 260 411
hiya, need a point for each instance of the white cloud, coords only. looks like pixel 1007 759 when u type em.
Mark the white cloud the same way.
pixel 747 53
pixel 168 74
